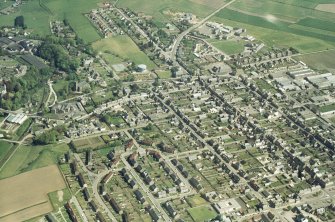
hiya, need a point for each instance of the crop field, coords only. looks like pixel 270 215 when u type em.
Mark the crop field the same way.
pixel 321 60
pixel 156 8
pixel 37 15
pixel 31 157
pixel 283 23
pixel 25 196
pixel 4 148
pixel 125 48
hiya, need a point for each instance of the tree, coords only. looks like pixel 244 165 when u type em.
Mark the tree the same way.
pixel 19 21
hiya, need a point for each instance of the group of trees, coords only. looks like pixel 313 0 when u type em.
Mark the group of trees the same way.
pixel 50 136
pixel 21 91
pixel 57 57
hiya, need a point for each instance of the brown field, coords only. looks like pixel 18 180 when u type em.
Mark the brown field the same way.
pixel 92 143
pixel 25 196
pixel 326 8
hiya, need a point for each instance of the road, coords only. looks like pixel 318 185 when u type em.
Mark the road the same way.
pixel 144 187
pixel 183 34
pixel 79 209
pixel 199 138
pixel 52 92
pixel 95 180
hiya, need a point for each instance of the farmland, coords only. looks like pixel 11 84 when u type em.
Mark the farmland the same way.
pixel 156 8
pixel 321 60
pixel 4 148
pixel 31 191
pixel 31 157
pixel 283 24
pixel 37 15
pixel 124 47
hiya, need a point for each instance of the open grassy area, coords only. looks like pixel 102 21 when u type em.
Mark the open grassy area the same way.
pixel 59 198
pixel 228 46
pixel 125 48
pixel 31 157
pixel 38 14
pixel 203 213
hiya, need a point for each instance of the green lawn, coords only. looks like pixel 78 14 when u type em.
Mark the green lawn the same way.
pixel 228 46
pixel 164 74
pixel 31 157
pixel 327 108
pixel 203 213
pixel 125 48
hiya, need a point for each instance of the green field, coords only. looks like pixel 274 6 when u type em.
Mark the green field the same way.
pixel 203 213
pixel 229 47
pixel 31 157
pixel 125 48
pixel 38 14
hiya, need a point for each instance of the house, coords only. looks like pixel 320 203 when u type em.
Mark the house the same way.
pixel 114 205
pixel 161 194
pixel 139 196
pixel 100 217
pixel 153 188
pixel 81 180
pixel 86 194
pixel 153 214
pixel 93 205
pixel 170 209
pixel 195 183
pixel 227 206
pixel 132 184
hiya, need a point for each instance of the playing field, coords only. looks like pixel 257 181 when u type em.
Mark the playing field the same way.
pixel 25 196
pixel 125 48
pixel 228 46
pixel 203 213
